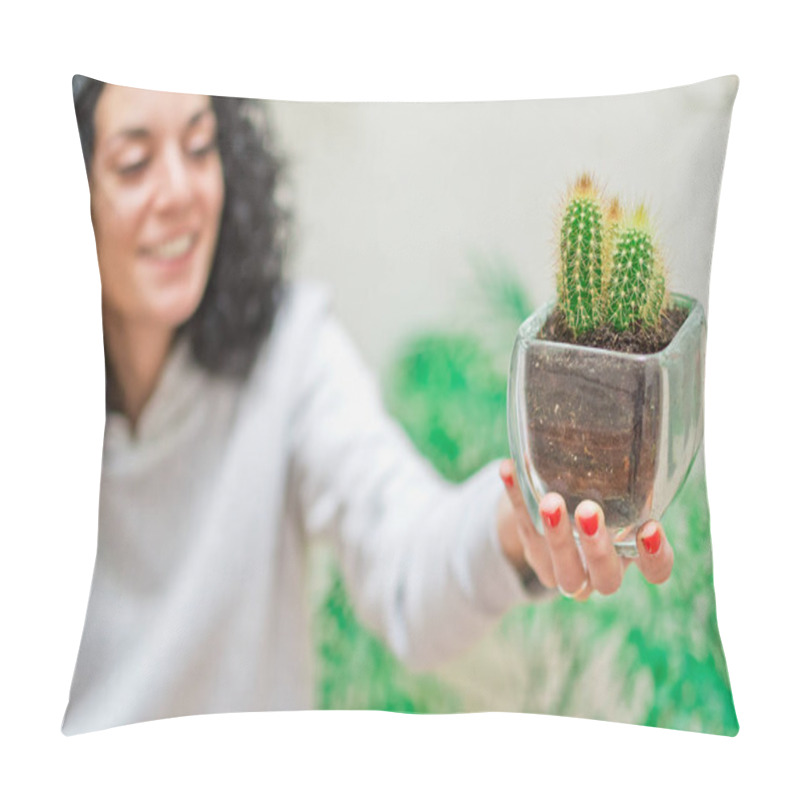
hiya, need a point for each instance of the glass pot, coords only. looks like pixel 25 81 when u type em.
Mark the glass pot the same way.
pixel 621 429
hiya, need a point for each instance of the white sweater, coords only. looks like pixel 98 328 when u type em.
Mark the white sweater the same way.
pixel 199 597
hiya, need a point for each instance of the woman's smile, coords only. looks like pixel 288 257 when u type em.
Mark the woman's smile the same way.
pixel 173 254
pixel 173 248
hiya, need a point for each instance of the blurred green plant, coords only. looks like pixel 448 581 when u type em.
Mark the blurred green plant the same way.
pixel 648 654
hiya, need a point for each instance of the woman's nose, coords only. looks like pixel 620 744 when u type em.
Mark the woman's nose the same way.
pixel 174 181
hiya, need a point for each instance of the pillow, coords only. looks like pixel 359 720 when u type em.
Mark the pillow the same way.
pixel 327 327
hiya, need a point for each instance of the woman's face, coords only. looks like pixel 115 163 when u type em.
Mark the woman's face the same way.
pixel 157 192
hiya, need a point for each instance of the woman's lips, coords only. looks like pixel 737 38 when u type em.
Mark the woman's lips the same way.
pixel 174 251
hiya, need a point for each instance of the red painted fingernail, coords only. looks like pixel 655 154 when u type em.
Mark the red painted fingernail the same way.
pixel 652 542
pixel 552 518
pixel 508 479
pixel 590 523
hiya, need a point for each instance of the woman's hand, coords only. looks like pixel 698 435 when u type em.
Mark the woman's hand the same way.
pixel 554 556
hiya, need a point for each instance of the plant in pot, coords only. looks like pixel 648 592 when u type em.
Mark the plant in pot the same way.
pixel 605 394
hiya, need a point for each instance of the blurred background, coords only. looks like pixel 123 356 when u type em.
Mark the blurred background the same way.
pixel 435 227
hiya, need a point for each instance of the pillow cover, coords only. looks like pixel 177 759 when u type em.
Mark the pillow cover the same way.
pixel 309 311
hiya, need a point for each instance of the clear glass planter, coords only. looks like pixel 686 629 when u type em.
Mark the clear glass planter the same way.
pixel 621 429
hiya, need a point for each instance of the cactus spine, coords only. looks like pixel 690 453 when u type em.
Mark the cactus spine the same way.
pixel 651 317
pixel 580 275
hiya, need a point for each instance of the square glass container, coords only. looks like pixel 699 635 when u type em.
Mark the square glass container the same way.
pixel 621 429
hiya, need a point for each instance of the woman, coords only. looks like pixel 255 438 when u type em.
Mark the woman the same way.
pixel 241 425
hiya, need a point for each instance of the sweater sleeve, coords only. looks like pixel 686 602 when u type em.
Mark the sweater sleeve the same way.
pixel 420 556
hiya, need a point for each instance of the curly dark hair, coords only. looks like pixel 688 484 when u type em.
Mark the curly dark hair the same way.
pixel 245 286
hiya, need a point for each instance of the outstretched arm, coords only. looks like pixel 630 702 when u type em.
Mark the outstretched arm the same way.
pixel 421 557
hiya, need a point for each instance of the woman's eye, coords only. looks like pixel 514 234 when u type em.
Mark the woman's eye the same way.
pixel 202 151
pixel 131 169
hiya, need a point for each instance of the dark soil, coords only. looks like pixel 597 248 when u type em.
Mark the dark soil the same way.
pixel 634 340
pixel 593 424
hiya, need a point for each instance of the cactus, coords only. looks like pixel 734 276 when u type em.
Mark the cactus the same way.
pixel 611 271
pixel 635 287
pixel 580 276
pixel 613 219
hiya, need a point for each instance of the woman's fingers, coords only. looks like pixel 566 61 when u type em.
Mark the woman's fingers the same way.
pixel 570 573
pixel 655 553
pixel 556 557
pixel 533 543
pixel 605 568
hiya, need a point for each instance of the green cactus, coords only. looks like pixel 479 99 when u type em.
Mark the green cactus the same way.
pixel 580 275
pixel 635 287
pixel 611 271
pixel 612 221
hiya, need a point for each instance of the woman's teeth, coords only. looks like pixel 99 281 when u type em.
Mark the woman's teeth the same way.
pixel 177 247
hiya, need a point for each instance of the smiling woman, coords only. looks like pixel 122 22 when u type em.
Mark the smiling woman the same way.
pixel 163 166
